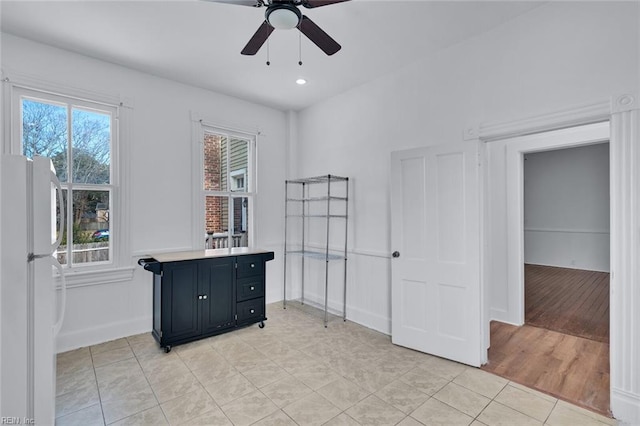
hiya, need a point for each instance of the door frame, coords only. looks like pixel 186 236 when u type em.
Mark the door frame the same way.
pixel 516 149
pixel 623 113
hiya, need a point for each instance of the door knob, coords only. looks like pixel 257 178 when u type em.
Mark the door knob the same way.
pixel 199 297
pixel 252 288
pixel 395 254
pixel 204 297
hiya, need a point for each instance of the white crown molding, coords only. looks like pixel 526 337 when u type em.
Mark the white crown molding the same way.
pixel 625 102
pixel 470 133
pixel 568 117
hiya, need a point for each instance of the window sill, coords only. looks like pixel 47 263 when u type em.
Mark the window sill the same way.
pixel 91 277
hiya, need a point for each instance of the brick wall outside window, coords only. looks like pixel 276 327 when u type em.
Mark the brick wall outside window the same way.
pixel 212 181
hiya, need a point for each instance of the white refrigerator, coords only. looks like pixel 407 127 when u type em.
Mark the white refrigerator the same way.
pixel 31 307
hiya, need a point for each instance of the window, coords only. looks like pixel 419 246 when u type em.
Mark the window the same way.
pixel 237 179
pixel 227 188
pixel 79 137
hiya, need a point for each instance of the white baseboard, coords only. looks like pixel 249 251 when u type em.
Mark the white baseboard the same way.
pixel 359 316
pixel 333 307
pixel 92 336
pixel 369 320
pixel 625 407
pixel 501 315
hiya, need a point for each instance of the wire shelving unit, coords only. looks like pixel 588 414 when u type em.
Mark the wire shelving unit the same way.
pixel 297 193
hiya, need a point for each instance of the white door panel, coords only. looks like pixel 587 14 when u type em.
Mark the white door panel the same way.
pixel 435 228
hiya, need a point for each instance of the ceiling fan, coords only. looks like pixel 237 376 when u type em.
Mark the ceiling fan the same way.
pixel 284 14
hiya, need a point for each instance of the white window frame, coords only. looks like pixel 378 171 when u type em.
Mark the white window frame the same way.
pixel 15 87
pixel 201 127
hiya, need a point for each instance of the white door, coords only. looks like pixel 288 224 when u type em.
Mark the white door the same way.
pixel 435 233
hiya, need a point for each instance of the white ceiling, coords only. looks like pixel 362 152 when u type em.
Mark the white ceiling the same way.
pixel 199 42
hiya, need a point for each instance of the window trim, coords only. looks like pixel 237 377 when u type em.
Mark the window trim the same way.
pixel 119 268
pixel 71 104
pixel 199 128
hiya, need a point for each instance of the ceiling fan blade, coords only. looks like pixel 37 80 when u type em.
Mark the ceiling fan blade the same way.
pixel 318 36
pixel 310 4
pixel 252 3
pixel 258 39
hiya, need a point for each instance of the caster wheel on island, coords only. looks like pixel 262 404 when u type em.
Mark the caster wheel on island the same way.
pixel 261 325
pixel 167 349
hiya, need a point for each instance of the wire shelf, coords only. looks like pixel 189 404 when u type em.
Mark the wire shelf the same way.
pixel 318 215
pixel 318 199
pixel 319 179
pixel 316 254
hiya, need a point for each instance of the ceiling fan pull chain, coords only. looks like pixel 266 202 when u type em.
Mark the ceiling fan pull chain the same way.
pixel 268 61
pixel 299 48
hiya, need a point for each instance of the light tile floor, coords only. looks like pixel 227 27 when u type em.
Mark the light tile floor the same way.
pixel 292 372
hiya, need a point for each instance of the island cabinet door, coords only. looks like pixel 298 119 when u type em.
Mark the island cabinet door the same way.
pixel 217 291
pixel 180 310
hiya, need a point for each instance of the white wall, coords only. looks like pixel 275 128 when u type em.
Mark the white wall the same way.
pixel 160 186
pixel 556 56
pixel 1 133
pixel 566 208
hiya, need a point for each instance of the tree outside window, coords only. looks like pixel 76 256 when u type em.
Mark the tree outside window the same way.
pixel 78 138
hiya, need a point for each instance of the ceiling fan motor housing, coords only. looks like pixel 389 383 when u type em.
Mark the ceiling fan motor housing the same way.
pixel 283 16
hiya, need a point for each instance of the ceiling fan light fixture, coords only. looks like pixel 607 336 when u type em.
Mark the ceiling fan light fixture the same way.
pixel 301 81
pixel 283 16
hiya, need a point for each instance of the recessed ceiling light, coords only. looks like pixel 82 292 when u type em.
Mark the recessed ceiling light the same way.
pixel 301 81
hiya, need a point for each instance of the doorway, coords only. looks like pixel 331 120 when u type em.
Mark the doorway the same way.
pixel 559 262
pixel 566 240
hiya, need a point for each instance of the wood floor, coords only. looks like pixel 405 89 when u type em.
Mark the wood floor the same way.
pixel 570 301
pixel 563 350
pixel 567 367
